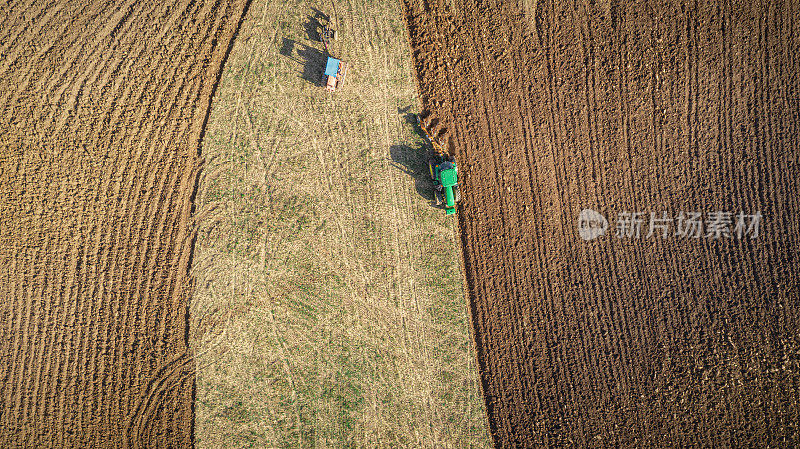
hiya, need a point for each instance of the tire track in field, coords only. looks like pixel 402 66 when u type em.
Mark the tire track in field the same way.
pixel 119 18
pixel 99 210
pixel 46 14
pixel 149 187
pixel 52 81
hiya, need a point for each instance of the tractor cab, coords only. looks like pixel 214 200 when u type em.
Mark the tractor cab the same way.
pixel 448 174
pixel 445 177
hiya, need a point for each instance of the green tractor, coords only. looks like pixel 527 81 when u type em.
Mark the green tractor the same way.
pixel 444 173
pixel 445 177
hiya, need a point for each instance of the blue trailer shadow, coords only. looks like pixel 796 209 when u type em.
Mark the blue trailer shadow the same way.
pixel 311 60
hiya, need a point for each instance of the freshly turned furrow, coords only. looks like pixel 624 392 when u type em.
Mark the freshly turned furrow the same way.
pixel 95 232
pixel 660 106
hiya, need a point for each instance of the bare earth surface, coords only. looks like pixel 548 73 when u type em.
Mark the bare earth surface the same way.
pixel 554 107
pixel 101 110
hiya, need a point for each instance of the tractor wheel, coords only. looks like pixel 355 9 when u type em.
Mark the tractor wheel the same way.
pixel 438 195
pixel 333 35
pixel 457 193
pixel 431 164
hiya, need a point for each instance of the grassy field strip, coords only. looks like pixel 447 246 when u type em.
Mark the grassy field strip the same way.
pixel 328 309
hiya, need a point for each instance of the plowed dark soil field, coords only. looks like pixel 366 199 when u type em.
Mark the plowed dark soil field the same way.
pixel 102 106
pixel 664 107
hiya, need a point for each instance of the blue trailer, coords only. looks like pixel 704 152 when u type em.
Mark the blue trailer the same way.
pixel 335 70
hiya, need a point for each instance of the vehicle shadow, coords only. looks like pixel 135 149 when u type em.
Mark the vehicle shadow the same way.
pixel 311 59
pixel 413 161
pixel 313 24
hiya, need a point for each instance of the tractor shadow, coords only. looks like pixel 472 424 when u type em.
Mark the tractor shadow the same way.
pixel 413 160
pixel 313 24
pixel 311 59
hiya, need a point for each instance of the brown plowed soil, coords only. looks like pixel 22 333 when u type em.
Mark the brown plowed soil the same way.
pixel 554 107
pixel 102 106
